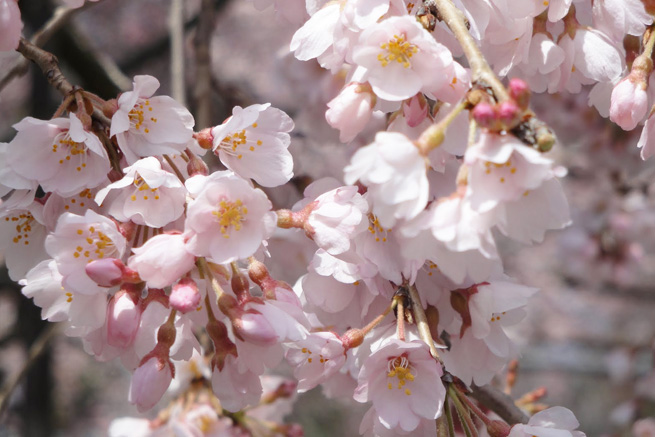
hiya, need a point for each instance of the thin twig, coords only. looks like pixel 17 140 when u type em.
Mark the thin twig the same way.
pixel 499 403
pixel 176 27
pixel 203 88
pixel 49 64
pixel 481 70
pixel 37 348
pixel 60 17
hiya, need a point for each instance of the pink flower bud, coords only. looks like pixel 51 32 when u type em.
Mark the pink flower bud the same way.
pixel 519 91
pixel 509 114
pixel 205 138
pixel 484 115
pixel 415 110
pixel 350 110
pixel 629 102
pixel 254 328
pixel 123 318
pixel 185 296
pixel 149 383
pixel 106 272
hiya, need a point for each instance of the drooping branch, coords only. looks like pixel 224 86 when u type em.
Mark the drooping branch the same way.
pixel 499 403
pixel 482 72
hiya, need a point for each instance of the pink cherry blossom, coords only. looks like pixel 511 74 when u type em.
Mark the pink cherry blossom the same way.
pixel 59 154
pixel 22 234
pixel 147 195
pixel 150 126
pixel 123 317
pixel 316 358
pixel 548 422
pixel 395 174
pixel 403 381
pixel 78 240
pixel 351 110
pixel 647 139
pixel 254 144
pixel 162 260
pixel 228 219
pixel 399 58
pixel 338 215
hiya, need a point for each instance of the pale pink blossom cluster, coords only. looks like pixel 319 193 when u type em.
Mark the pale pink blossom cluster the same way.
pixel 150 258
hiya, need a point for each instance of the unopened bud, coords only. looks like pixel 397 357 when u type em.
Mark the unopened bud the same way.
pixel 110 107
pixel 498 428
pixel 519 91
pixel 254 328
pixel 509 114
pixel 196 166
pixel 123 319
pixel 149 382
pixel 185 296
pixel 484 115
pixel 205 138
pixel 106 272
pixel 240 286
pixel 545 139
pixel 352 338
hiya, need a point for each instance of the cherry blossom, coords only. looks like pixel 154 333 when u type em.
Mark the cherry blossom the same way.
pixel 145 125
pixel 253 143
pixel 228 219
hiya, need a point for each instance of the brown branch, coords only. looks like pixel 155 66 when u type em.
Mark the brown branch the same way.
pixel 49 65
pixel 203 88
pixel 481 70
pixel 38 347
pixel 499 403
pixel 421 321
pixel 60 17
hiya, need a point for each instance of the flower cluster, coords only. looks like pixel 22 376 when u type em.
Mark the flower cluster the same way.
pixel 148 257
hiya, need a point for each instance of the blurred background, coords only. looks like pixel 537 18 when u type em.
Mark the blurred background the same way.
pixel 588 338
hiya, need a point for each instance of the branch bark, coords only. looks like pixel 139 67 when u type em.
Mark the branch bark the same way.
pixel 482 72
pixel 176 26
pixel 500 404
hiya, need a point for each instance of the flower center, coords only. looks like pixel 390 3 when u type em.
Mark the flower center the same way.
pixel 310 359
pixel 138 118
pixel 97 245
pixel 142 186
pixel 400 369
pixel 397 49
pixel 230 143
pixel 66 148
pixel 375 229
pixel 230 215
pixel 502 170
pixel 23 222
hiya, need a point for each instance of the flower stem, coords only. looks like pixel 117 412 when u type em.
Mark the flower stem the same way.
pixel 422 321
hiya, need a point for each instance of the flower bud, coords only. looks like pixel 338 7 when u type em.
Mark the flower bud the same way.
pixel 498 428
pixel 205 138
pixel 196 166
pixel 519 91
pixel 106 272
pixel 352 338
pixel 185 296
pixel 629 102
pixel 123 318
pixel 415 109
pixel 509 114
pixel 484 115
pixel 149 382
pixel 351 110
pixel 254 328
